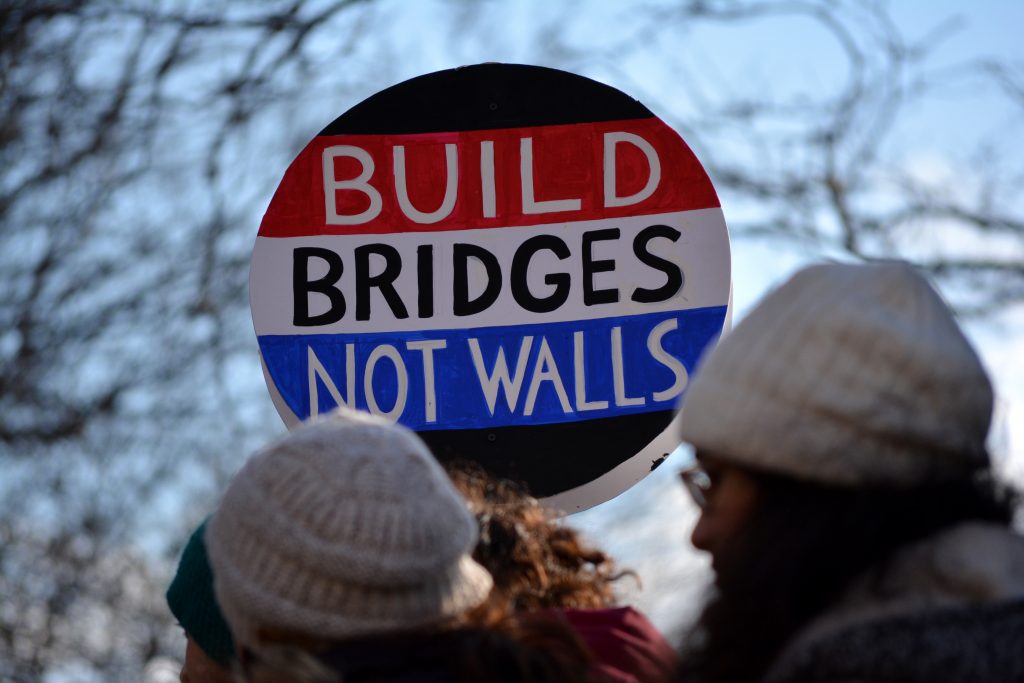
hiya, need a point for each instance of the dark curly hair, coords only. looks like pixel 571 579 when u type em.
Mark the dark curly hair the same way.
pixel 537 562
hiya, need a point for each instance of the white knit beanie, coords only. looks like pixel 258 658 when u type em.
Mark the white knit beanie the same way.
pixel 853 375
pixel 345 527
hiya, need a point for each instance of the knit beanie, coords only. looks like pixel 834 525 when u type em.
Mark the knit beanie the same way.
pixel 345 527
pixel 190 597
pixel 853 375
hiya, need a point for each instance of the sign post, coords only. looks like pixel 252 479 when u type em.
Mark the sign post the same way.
pixel 521 264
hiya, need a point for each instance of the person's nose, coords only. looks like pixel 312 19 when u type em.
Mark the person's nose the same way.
pixel 702 536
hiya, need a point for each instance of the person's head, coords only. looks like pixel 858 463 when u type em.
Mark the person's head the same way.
pixel 341 552
pixel 845 417
pixel 345 528
pixel 209 650
pixel 537 561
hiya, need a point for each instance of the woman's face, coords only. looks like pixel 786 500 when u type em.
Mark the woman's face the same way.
pixel 730 502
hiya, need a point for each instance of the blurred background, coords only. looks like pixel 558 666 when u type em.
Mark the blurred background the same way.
pixel 140 143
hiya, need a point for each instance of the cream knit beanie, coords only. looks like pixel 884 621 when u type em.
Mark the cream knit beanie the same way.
pixel 345 527
pixel 854 375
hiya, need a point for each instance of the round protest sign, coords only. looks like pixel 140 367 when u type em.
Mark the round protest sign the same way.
pixel 521 264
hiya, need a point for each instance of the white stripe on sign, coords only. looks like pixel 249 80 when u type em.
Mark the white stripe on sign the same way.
pixel 463 279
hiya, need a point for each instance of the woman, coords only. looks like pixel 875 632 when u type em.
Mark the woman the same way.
pixel 543 567
pixel 847 499
pixel 342 553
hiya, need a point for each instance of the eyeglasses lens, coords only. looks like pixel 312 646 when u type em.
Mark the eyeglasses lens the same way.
pixel 697 483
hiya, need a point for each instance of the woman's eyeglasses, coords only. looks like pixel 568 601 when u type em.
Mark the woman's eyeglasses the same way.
pixel 697 483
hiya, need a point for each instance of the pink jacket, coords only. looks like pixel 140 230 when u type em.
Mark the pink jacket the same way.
pixel 627 646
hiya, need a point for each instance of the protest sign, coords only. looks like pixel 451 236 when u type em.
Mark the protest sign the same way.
pixel 521 264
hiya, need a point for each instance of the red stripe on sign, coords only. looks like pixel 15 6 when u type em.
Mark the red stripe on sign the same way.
pixel 352 184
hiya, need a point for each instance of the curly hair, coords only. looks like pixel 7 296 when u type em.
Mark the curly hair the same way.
pixel 537 562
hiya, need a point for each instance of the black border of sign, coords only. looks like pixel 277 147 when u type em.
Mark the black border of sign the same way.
pixel 485 97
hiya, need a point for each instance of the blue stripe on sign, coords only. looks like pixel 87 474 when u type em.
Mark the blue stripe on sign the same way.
pixel 552 372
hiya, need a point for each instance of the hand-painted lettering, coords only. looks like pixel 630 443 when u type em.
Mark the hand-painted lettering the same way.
pixel 673 275
pixel 591 295
pixel 302 286
pixel 575 371
pixel 560 282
